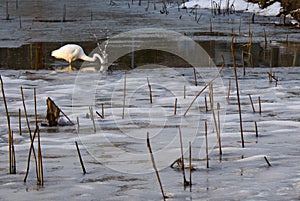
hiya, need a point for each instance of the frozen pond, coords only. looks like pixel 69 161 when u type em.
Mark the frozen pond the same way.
pixel 114 149
pixel 115 156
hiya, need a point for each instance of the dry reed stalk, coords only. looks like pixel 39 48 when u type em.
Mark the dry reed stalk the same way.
pixel 237 90
pixel 13 155
pixel 256 130
pixel 154 167
pixel 20 123
pixel 243 60
pixel 190 163
pixel 219 121
pixel 35 107
pixel 250 98
pixel 269 164
pixel 228 91
pixel 205 104
pixel 150 90
pixel 211 96
pixel 80 158
pixel 100 115
pixel 29 156
pixel 184 92
pixel 240 26
pixel 198 94
pixel 31 138
pixel 102 110
pixel 40 160
pixel 250 58
pixel 124 96
pixel 185 182
pixel 25 112
pixel 10 156
pixel 215 122
pixel 92 118
pixel 206 144
pixel 195 77
pixel 175 106
pixel 78 126
pixel 259 105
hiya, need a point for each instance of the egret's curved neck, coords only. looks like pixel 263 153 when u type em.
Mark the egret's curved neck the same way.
pixel 94 58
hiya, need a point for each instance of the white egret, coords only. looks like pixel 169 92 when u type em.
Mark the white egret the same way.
pixel 72 52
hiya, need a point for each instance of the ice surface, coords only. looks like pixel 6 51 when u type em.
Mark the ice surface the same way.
pixel 116 156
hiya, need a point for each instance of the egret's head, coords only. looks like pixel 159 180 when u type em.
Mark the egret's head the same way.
pixel 55 54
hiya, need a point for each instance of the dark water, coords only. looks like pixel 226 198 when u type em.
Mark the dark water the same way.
pixel 37 55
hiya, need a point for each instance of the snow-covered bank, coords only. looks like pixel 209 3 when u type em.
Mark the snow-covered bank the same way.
pixel 237 5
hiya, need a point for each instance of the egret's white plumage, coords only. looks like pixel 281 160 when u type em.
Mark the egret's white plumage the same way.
pixel 72 52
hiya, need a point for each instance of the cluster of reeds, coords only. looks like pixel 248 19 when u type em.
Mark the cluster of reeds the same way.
pixel 216 119
pixel 36 134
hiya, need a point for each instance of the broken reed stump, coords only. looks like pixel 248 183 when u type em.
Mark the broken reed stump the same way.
pixel 155 169
pixel 150 90
pixel 80 158
pixel 237 90
pixel 53 112
pixel 11 158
